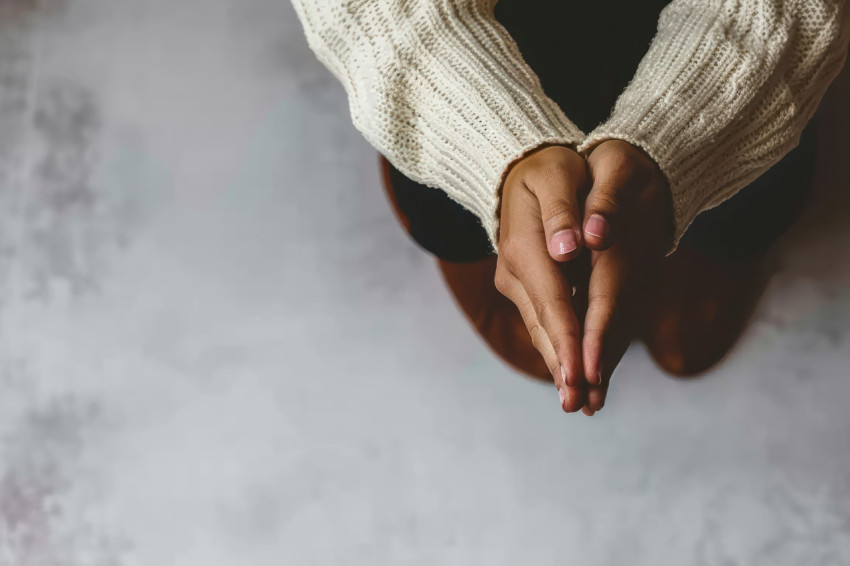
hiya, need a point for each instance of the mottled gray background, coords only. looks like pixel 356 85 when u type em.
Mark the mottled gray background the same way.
pixel 217 347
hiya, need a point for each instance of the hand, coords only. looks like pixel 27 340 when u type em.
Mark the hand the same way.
pixel 539 205
pixel 629 225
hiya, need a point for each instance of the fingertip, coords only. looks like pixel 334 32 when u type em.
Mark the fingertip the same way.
pixel 597 232
pixel 569 352
pixel 596 398
pixel 572 372
pixel 565 245
pixel 575 399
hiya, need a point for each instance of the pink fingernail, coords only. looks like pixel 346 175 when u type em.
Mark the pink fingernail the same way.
pixel 597 226
pixel 564 375
pixel 564 242
pixel 561 393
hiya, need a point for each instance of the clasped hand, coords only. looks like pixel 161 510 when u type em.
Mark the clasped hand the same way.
pixel 579 242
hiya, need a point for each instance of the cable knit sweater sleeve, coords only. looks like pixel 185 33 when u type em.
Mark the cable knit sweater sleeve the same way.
pixel 725 90
pixel 440 88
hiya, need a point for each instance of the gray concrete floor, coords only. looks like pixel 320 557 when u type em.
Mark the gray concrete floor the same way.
pixel 218 348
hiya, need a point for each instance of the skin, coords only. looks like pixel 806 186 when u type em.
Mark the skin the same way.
pixel 554 189
pixel 539 197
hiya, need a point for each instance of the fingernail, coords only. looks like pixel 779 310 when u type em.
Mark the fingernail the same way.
pixel 590 412
pixel 597 226
pixel 564 242
pixel 599 377
pixel 561 393
pixel 564 375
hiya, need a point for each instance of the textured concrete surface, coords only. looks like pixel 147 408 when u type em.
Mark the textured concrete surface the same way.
pixel 218 348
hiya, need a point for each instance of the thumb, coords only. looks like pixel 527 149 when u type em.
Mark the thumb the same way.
pixel 607 201
pixel 557 194
pixel 618 172
pixel 601 212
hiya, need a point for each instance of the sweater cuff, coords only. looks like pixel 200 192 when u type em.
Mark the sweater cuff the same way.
pixel 723 94
pixel 441 90
pixel 463 127
pixel 469 107
pixel 472 161
pixel 690 92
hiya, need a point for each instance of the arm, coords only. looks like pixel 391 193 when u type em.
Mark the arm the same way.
pixel 724 92
pixel 440 88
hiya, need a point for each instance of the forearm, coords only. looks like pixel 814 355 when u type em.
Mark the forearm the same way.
pixel 440 89
pixel 725 90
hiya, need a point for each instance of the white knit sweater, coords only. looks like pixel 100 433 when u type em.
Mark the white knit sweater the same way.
pixel 441 89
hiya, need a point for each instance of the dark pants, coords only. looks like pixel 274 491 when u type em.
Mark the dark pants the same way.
pixel 584 76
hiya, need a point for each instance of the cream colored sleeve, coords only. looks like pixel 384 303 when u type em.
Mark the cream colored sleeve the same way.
pixel 725 90
pixel 440 88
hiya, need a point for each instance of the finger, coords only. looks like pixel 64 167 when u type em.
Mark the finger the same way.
pixel 605 292
pixel 572 398
pixel 596 399
pixel 556 189
pixel 509 286
pixel 575 398
pixel 525 255
pixel 615 181
pixel 550 296
pixel 614 349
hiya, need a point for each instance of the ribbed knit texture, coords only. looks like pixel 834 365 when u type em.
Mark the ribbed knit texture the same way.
pixel 725 91
pixel 441 89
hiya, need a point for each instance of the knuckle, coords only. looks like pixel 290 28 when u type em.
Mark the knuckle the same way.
pixel 552 313
pixel 558 172
pixel 550 173
pixel 556 213
pixel 594 328
pixel 603 310
pixel 628 167
pixel 622 163
pixel 606 199
pixel 599 299
pixel 507 250
pixel 539 306
pixel 506 240
pixel 556 342
pixel 511 256
pixel 534 332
